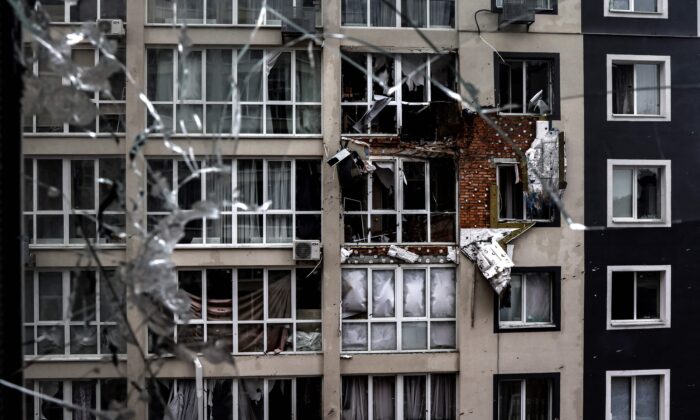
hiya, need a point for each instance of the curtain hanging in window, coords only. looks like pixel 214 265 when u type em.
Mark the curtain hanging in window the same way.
pixel 414 398
pixel 442 397
pixel 354 398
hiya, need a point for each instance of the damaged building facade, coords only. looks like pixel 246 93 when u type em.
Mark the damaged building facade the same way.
pixel 395 255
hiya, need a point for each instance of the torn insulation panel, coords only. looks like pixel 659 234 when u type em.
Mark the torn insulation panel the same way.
pixel 482 247
pixel 544 166
pixel 400 253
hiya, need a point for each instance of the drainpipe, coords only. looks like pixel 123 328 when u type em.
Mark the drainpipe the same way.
pixel 199 388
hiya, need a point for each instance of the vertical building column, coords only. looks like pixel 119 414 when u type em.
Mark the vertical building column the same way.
pixel 135 122
pixel 332 227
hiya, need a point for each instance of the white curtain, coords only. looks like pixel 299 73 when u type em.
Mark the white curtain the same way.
pixel 182 404
pixel 219 11
pixel 279 227
pixel 416 12
pixel 249 181
pixel 442 12
pixel 648 89
pixel 354 12
pixel 413 69
pixel 354 292
pixel 511 304
pixel 414 398
pixel 163 75
pixel 308 76
pixel 190 76
pixel 381 13
pixel 414 293
pixel 354 398
pixel 219 191
pixel 442 397
pixel 623 88
pixel 383 293
pixel 538 299
pixel 620 398
pixel 442 293
pixel 383 405
pixel 647 397
pixel 83 396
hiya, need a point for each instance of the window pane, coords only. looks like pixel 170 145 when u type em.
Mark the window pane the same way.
pixel 251 399
pixel 51 340
pixel 538 78
pixel 160 75
pixel 414 335
pixel 112 295
pixel 414 397
pixel 509 400
pixel 442 185
pixel 113 9
pixel 510 193
pixel 250 294
pixel 622 299
pixel 250 339
pixel 623 88
pixel 442 335
pixel 219 74
pixel 443 71
pixel 308 77
pixel 538 299
pixel 190 11
pixel 414 228
pixel 354 12
pixel 511 86
pixel 160 11
pixel 250 182
pixel 250 69
pixel 648 89
pixel 50 296
pixel 414 293
pixel 218 186
pixel 83 339
pixel 356 228
pixel 55 9
pixel 383 70
pixel 647 397
pixel 383 293
pixel 191 191
pixel 442 227
pixel 279 294
pixel 189 118
pixel 248 11
pixel 83 296
pixel 621 4
pixel 307 226
pixel 28 298
pixel 383 336
pixel 511 303
pixel 414 186
pixel 279 87
pixel 648 295
pixel 250 229
pixel 49 229
pixel 50 410
pixel 219 295
pixel 308 337
pixel 218 119
pixel 308 185
pixel 442 13
pixel 113 393
pixel 111 169
pixel 354 293
pixel 382 12
pixel 384 401
pixel 383 187
pixel 354 397
pixel 537 404
pixel 279 228
pixel 354 337
pixel 279 119
pixel 383 228
pixel 443 395
pixel 308 119
pixel 308 294
pixel 219 11
pixel 415 12
pixel 622 192
pixel 648 193
pixel 620 398
pixel 251 119
pixel 279 184
pixel 84 11
pixel 442 293
pixel 27 191
pixel 645 5
pixel 354 77
pixel 280 399
pixel 49 189
pixel 82 184
pixel 414 70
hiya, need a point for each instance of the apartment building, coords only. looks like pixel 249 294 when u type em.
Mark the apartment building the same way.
pixel 640 175
pixel 395 320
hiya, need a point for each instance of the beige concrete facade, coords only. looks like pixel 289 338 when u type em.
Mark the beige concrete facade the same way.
pixel 481 353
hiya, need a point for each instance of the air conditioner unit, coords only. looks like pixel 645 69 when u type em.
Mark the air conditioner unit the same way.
pixel 518 12
pixel 306 250
pixel 111 27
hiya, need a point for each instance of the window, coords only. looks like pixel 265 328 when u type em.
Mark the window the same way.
pixel 84 10
pixel 63 197
pixel 532 300
pixel 402 200
pixel 399 397
pixel 279 92
pixel 521 78
pixel 638 395
pixel 239 399
pixel 389 309
pixel 102 394
pixel 514 204
pixel 110 106
pixel 639 88
pixel 73 312
pixel 399 13
pixel 252 310
pixel 636 8
pixel 639 296
pixel 278 200
pixel 373 105
pixel 540 5
pixel 226 12
pixel 528 396
pixel 639 193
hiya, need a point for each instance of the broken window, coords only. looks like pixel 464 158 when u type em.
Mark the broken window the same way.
pixel 639 6
pixel 203 103
pixel 402 200
pixel 529 301
pixel 369 106
pixel 84 10
pixel 254 305
pixel 373 320
pixel 522 82
pixel 403 396
pixel 292 194
pixel 62 204
pixel 405 13
pixel 638 296
pixel 531 398
pixel 638 87
pixel 73 312
pixel 105 394
pixel 638 395
pixel 638 193
pixel 514 203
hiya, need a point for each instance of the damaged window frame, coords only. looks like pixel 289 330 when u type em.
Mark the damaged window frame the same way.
pixel 552 59
pixel 396 102
pixel 34 406
pixel 664 396
pixel 295 396
pixel 367 19
pixel 234 212
pixel 553 380
pixel 664 297
pixel 34 191
pixel 293 322
pixel 66 324
pixel 54 10
pixel 398 211
pixel 663 192
pixel 554 324
pixel 398 319
pixel 261 125
pixel 663 64
pixel 499 163
pixel 100 100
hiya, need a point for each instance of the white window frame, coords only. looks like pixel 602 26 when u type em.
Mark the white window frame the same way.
pixel 664 65
pixel 67 384
pixel 398 210
pixel 665 390
pixel 235 211
pixel 66 323
pixel 398 319
pixel 661 11
pixel 66 192
pixel 665 193
pixel 499 5
pixel 523 396
pixel 98 13
pixel 398 18
pixel 549 100
pixel 235 323
pixel 264 103
pixel 664 298
pixel 523 305
pixel 397 98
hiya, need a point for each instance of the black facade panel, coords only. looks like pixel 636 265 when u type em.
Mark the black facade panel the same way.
pixel 681 20
pixel 676 348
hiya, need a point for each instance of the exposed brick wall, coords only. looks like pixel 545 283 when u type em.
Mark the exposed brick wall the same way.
pixel 479 146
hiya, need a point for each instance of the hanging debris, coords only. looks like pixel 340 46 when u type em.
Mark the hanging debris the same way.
pixel 545 168
pixel 482 247
pixel 400 253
